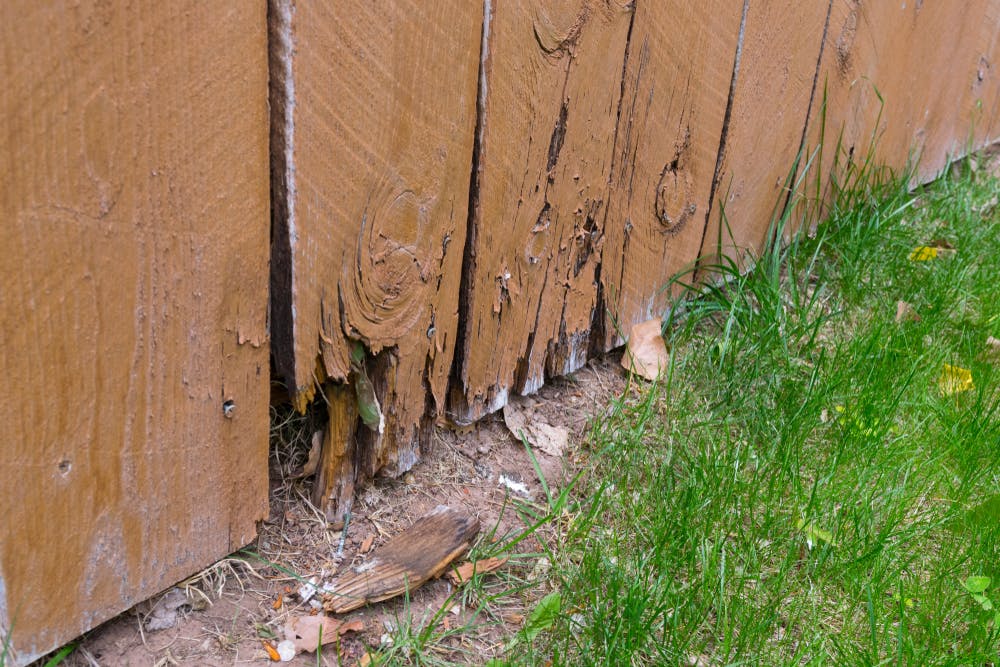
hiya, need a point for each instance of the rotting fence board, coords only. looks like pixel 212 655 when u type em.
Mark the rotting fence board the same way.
pixel 375 111
pixel 772 93
pixel 134 210
pixel 551 92
pixel 918 79
pixel 677 80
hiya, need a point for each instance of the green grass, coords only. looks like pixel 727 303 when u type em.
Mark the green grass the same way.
pixel 797 490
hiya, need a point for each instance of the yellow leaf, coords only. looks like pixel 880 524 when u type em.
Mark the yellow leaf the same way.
pixel 923 253
pixel 814 534
pixel 954 380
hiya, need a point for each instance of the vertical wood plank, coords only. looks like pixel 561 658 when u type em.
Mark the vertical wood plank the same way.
pixel 770 108
pixel 375 109
pixel 675 92
pixel 134 208
pixel 551 96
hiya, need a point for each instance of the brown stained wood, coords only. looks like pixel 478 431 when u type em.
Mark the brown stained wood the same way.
pixel 419 553
pixel 551 88
pixel 769 109
pixel 333 487
pixel 676 84
pixel 935 66
pixel 374 113
pixel 133 282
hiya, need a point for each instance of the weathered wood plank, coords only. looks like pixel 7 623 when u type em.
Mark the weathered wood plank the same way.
pixel 675 90
pixel 374 115
pixel 134 208
pixel 551 92
pixel 770 107
pixel 917 79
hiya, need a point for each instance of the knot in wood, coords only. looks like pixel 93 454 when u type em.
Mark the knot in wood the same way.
pixel 674 204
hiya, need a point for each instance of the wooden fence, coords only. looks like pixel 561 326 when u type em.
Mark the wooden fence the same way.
pixel 466 199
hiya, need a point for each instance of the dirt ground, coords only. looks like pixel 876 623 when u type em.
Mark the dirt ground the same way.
pixel 223 613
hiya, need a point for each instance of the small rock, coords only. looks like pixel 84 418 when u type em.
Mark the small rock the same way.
pixel 286 650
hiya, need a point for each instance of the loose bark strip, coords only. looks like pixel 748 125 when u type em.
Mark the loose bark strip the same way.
pixel 550 102
pixel 770 107
pixel 421 552
pixel 133 282
pixel 675 87
pixel 374 106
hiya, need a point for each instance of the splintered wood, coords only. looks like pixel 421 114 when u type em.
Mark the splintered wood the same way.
pixel 551 90
pixel 421 552
pixel 468 198
pixel 485 195
pixel 374 112
pixel 133 283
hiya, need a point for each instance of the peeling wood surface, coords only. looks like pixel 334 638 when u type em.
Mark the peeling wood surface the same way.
pixel 551 90
pixel 675 86
pixel 605 139
pixel 419 553
pixel 374 108
pixel 483 195
pixel 133 145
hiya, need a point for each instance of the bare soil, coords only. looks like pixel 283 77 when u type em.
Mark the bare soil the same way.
pixel 231 605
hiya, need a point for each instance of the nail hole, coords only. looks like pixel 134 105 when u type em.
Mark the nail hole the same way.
pixel 64 467
pixel 228 408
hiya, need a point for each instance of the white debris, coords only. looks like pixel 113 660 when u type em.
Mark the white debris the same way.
pixel 514 486
pixel 307 590
pixel 286 650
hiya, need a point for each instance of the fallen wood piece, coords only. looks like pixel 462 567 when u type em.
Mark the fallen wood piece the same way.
pixel 421 552
pixel 466 571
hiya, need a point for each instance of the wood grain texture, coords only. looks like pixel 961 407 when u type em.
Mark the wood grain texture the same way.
pixel 374 112
pixel 134 208
pixel 333 487
pixel 419 553
pixel 676 84
pixel 551 89
pixel 769 109
pixel 935 67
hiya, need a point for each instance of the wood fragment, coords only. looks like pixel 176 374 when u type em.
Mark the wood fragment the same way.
pixel 272 652
pixel 466 571
pixel 417 554
pixel 333 489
